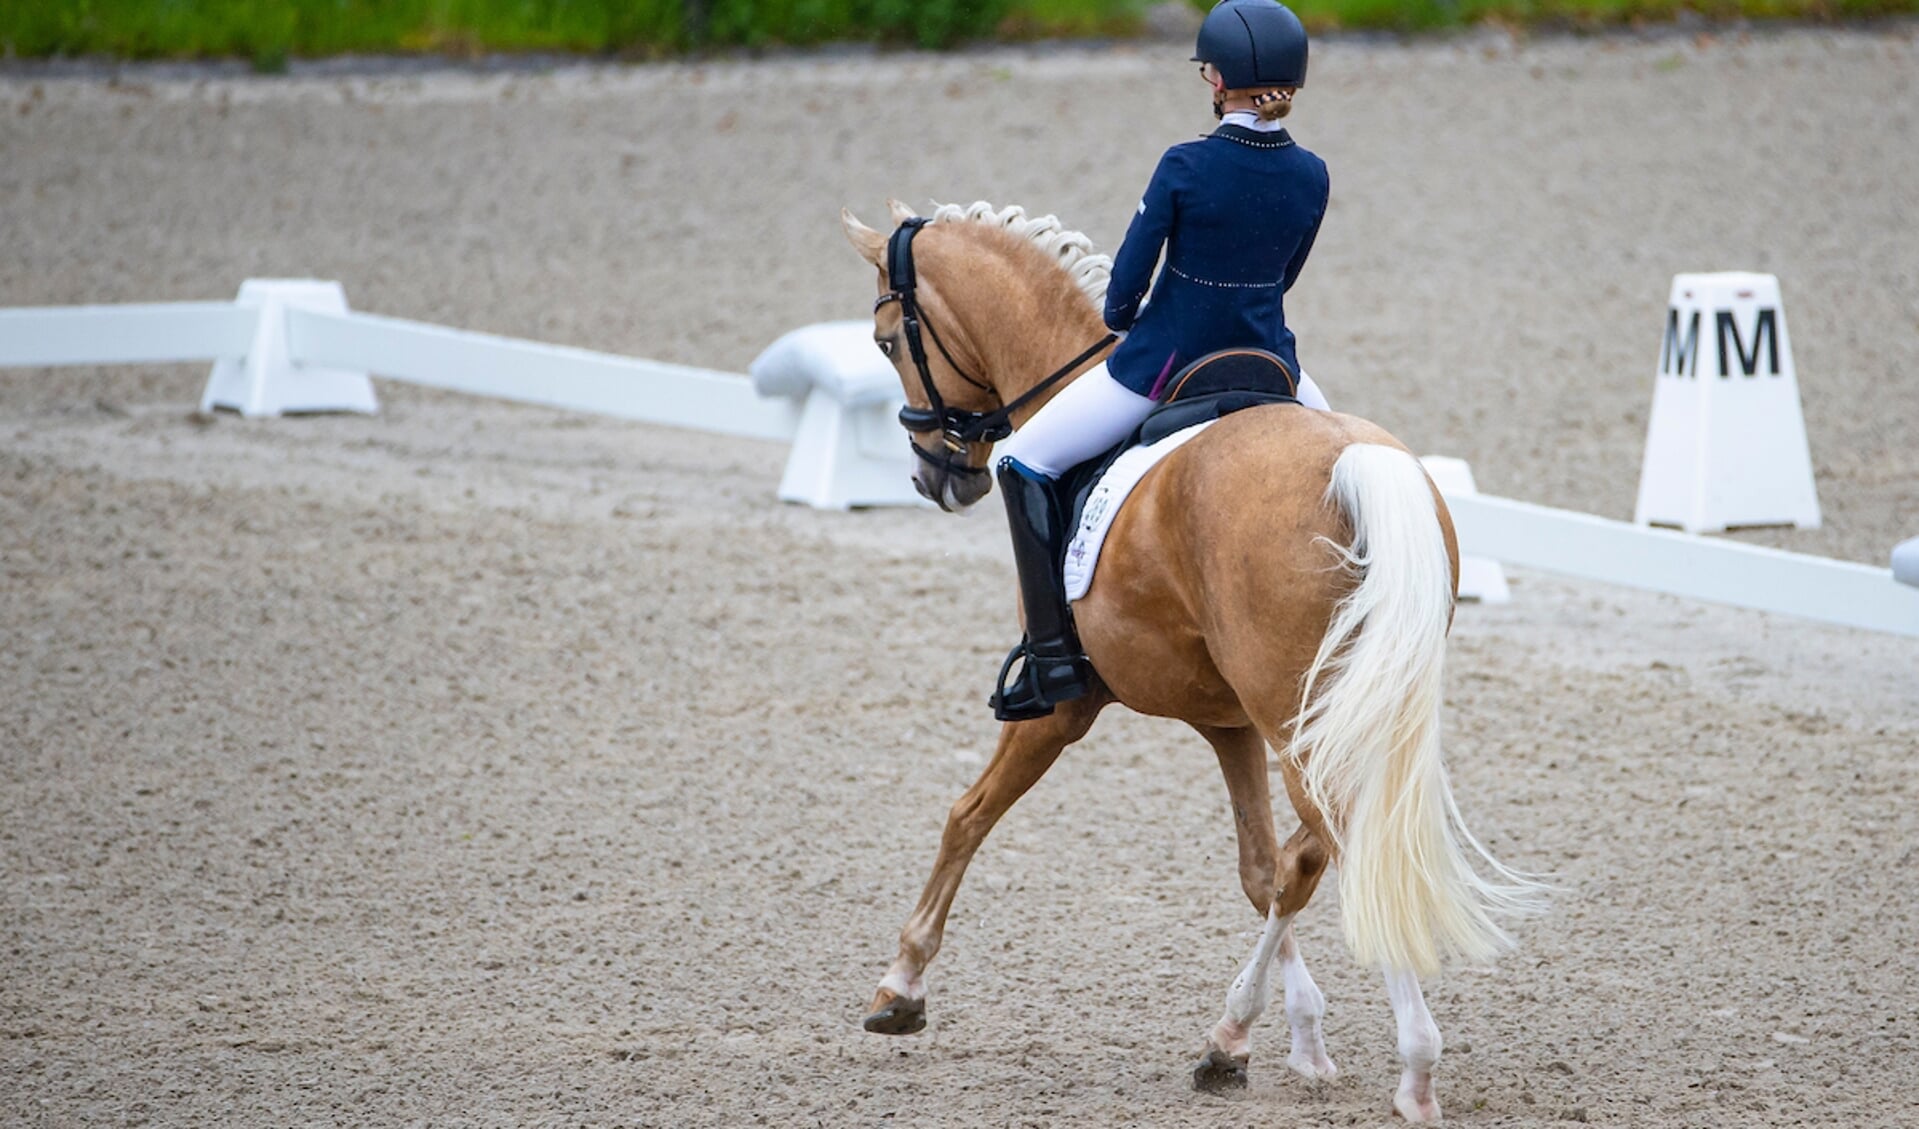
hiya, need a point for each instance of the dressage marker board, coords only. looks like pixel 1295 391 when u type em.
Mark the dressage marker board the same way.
pixel 1726 443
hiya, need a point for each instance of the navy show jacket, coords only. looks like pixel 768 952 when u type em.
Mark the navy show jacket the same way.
pixel 1236 211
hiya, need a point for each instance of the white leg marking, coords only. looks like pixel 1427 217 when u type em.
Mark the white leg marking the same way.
pixel 1305 1007
pixel 1419 1047
pixel 1251 993
pixel 904 982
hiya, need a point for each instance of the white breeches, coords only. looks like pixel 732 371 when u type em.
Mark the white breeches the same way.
pixel 1091 414
pixel 1310 395
pixel 1082 419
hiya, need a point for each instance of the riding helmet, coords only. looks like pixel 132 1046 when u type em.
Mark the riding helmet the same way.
pixel 1253 43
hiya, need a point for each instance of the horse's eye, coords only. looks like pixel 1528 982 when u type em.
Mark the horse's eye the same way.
pixel 886 347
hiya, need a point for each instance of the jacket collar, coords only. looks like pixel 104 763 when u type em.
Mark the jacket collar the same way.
pixel 1278 139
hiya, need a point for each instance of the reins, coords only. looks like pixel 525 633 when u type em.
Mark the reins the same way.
pixel 957 427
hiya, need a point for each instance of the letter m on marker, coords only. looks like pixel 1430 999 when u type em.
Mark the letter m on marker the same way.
pixel 1679 356
pixel 1765 329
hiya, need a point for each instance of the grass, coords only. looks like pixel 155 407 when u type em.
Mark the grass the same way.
pixel 270 32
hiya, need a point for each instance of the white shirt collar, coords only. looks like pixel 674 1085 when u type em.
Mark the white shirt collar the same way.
pixel 1249 120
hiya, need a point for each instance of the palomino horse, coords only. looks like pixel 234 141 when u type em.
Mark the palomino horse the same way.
pixel 1287 577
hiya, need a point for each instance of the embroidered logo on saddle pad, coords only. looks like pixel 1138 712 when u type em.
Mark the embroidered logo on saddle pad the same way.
pixel 1103 503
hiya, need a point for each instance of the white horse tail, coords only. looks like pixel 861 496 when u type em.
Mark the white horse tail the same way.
pixel 1367 736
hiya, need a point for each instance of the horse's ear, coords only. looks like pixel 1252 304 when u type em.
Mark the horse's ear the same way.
pixel 901 213
pixel 869 243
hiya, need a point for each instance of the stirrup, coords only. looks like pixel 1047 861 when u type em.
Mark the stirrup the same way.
pixel 1044 682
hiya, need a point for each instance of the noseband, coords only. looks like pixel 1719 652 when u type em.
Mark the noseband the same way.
pixel 957 427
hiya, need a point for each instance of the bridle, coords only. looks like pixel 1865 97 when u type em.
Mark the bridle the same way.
pixel 957 427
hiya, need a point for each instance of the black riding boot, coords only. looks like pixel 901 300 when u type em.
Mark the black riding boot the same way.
pixel 1054 669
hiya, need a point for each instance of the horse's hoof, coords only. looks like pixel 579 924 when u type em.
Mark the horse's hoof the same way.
pixel 896 1015
pixel 1219 1071
pixel 1311 1066
pixel 1416 1112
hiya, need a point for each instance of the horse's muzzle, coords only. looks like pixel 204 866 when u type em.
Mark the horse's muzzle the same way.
pixel 952 493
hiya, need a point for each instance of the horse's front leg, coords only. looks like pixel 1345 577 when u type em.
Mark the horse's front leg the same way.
pixel 1026 750
pixel 1242 762
pixel 1229 1045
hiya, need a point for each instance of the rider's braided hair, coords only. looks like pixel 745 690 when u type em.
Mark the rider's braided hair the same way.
pixel 1271 105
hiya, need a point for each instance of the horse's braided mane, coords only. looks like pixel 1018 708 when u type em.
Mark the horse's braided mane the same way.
pixel 1070 250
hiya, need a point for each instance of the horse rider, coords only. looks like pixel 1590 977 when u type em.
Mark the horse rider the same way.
pixel 1236 212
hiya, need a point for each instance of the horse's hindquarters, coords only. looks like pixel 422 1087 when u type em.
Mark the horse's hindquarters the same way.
pixel 1215 582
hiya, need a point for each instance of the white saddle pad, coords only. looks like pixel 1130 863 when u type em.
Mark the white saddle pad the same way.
pixel 1102 505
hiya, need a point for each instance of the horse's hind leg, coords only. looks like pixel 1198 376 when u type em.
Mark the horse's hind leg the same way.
pixel 1026 750
pixel 1419 1047
pixel 1305 1011
pixel 1230 1043
pixel 1242 761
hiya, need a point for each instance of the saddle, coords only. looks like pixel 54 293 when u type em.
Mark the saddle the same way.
pixel 1218 384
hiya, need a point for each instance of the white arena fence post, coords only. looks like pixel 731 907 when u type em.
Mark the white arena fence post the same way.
pixel 1905 562
pixel 1726 445
pixel 849 449
pixel 848 455
pixel 269 380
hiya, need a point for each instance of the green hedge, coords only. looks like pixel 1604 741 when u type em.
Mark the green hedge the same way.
pixel 271 31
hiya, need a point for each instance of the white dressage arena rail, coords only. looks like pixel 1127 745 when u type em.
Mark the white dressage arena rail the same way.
pixel 291 345
pixel 341 342
pixel 112 335
pixel 1683 564
pixel 552 375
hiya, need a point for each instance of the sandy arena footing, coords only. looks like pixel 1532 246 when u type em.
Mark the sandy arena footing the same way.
pixel 478 764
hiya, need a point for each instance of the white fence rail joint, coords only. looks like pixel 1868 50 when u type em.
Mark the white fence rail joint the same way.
pixel 1905 562
pixel 273 378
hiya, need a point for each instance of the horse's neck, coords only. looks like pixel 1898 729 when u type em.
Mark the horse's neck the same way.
pixel 1027 333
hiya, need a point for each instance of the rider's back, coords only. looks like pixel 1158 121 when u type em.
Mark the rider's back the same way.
pixel 1236 212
